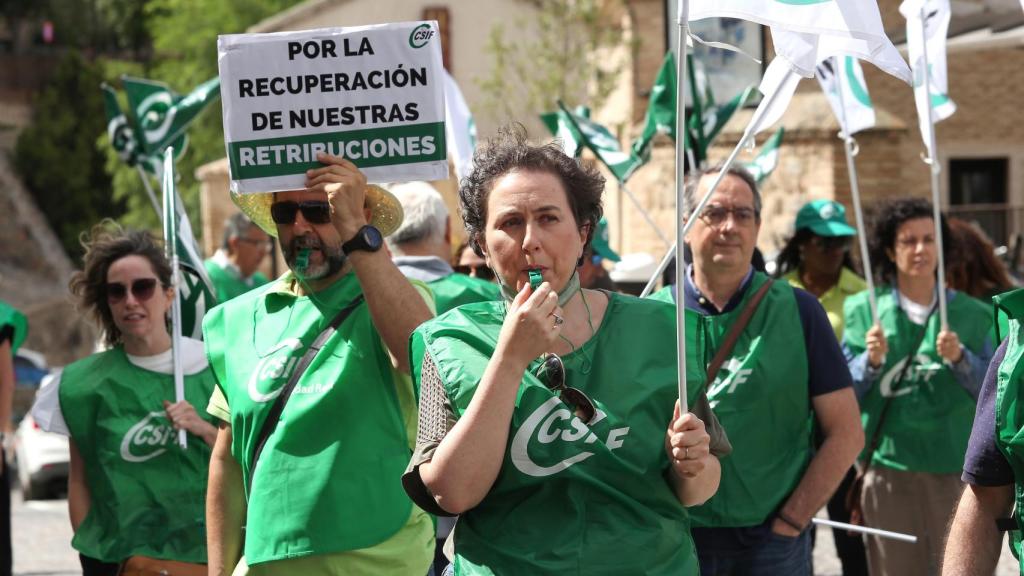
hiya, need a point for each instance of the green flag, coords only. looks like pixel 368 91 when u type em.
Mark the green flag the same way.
pixel 161 116
pixel 194 292
pixel 661 109
pixel 768 158
pixel 715 117
pixel 604 145
pixel 560 127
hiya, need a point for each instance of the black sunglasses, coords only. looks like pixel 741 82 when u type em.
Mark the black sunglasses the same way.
pixel 552 374
pixel 314 211
pixel 142 290
pixel 830 243
pixel 481 272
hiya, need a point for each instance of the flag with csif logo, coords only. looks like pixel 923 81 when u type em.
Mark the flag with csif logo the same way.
pixel 927 25
pixel 853 107
pixel 806 32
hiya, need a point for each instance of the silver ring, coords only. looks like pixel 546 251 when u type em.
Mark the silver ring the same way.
pixel 558 320
pixel 686 453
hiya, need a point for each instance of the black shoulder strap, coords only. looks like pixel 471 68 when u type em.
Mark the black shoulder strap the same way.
pixel 270 424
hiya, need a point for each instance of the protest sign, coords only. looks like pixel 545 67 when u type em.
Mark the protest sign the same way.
pixel 372 94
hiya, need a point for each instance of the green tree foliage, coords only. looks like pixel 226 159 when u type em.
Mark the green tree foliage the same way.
pixel 184 34
pixel 57 155
pixel 561 54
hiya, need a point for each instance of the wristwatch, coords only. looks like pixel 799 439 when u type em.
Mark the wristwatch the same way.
pixel 368 238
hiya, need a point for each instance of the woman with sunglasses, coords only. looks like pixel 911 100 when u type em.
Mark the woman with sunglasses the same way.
pixel 546 420
pixel 136 498
pixel 918 382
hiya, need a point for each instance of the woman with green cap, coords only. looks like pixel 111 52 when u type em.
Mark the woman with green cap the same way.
pixel 546 420
pixel 817 258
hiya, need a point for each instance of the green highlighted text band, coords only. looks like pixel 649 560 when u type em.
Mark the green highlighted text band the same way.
pixel 364 148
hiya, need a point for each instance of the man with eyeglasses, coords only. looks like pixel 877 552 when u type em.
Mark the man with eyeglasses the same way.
pixel 233 268
pixel 784 369
pixel 422 246
pixel 318 490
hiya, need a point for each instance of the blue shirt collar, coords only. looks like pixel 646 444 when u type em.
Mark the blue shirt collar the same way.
pixel 698 302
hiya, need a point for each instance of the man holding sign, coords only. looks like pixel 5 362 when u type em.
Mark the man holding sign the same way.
pixel 317 417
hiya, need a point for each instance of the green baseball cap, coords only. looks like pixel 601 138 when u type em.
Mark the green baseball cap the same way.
pixel 600 242
pixel 824 218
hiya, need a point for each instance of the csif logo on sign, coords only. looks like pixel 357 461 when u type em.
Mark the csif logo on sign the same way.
pixel 148 438
pixel 420 36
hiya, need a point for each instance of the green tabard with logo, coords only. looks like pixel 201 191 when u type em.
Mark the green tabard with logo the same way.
pixel 761 398
pixel 572 499
pixel 929 421
pixel 1009 409
pixel 228 284
pixel 454 290
pixel 329 478
pixel 147 495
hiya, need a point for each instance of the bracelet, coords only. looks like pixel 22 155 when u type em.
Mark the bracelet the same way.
pixel 789 521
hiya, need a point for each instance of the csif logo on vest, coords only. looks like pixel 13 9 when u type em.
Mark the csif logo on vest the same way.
pixel 729 377
pixel 920 373
pixel 276 365
pixel 542 425
pixel 148 438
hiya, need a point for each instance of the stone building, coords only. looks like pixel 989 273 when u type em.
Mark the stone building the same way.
pixel 981 147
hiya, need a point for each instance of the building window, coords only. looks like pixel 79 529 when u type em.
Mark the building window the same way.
pixel 441 14
pixel 978 193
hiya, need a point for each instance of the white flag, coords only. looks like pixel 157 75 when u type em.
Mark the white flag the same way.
pixel 854 110
pixel 816 29
pixel 777 85
pixel 927 24
pixel 459 128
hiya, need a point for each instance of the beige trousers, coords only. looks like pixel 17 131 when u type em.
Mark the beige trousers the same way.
pixel 915 503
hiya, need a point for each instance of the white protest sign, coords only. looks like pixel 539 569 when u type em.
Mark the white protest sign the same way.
pixel 372 94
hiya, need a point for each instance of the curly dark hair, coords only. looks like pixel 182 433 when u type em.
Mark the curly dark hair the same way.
pixel 105 244
pixel 789 257
pixel 509 151
pixel 888 216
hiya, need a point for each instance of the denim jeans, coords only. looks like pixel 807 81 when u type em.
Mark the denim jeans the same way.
pixel 776 555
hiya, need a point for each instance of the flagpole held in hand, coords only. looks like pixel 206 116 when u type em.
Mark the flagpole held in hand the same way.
pixel 171 246
pixel 851 168
pixel 936 169
pixel 682 19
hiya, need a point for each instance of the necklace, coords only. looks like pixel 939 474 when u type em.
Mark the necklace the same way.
pixel 585 368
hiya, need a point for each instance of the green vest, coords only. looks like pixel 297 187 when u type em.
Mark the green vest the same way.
pixel 227 284
pixel 12 317
pixel 929 420
pixel 329 478
pixel 1009 410
pixel 148 496
pixel 573 499
pixel 454 290
pixel 761 398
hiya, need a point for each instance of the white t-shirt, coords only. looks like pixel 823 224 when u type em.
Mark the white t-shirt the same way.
pixel 917 313
pixel 46 409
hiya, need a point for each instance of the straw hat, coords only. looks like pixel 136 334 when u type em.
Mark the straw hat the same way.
pixel 385 210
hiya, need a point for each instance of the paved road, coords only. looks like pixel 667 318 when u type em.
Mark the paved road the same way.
pixel 42 538
pixel 42 542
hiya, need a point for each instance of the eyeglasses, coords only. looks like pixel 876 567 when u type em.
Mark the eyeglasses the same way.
pixel 831 243
pixel 476 271
pixel 552 374
pixel 142 289
pixel 716 215
pixel 314 211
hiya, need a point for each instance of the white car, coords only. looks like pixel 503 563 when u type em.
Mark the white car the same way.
pixel 41 458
